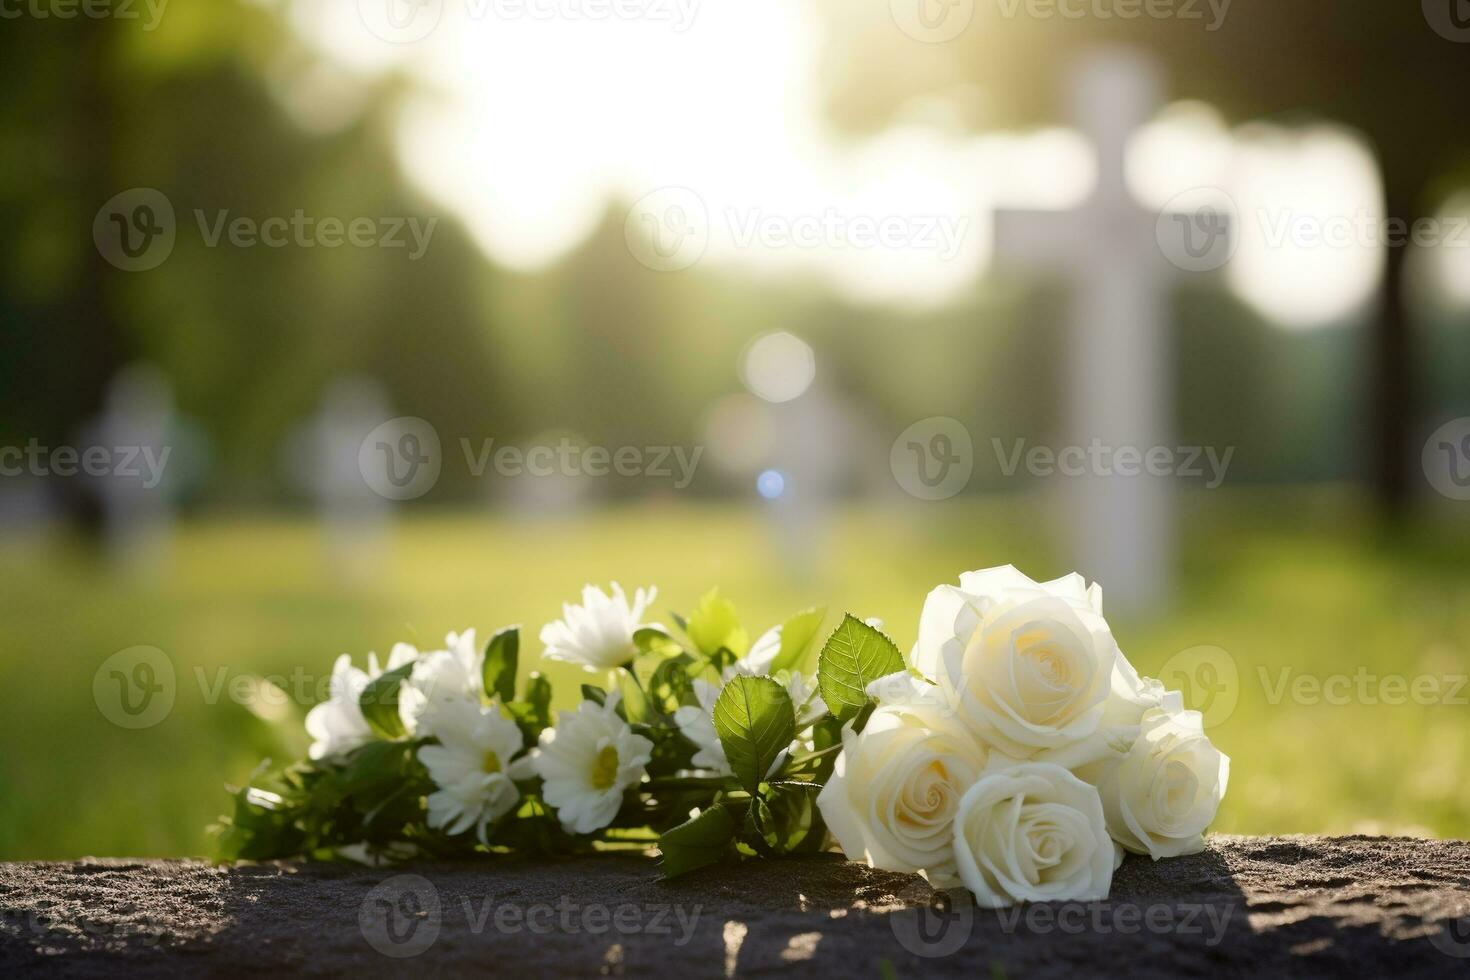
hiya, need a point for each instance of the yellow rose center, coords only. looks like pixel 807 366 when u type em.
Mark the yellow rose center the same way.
pixel 605 768
pixel 491 764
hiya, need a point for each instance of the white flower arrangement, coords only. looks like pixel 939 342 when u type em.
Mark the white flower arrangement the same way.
pixel 1017 752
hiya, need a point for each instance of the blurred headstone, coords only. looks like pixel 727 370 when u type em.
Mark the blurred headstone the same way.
pixel 812 453
pixel 140 429
pixel 1121 529
pixel 322 457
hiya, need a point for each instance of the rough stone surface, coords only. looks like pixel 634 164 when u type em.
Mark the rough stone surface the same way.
pixel 1272 906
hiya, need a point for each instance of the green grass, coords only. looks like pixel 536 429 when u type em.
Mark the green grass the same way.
pixel 1277 580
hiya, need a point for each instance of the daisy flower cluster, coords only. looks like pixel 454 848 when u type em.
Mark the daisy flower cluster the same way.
pixel 1015 751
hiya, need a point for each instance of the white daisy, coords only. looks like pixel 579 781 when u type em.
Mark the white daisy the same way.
pixel 598 634
pixel 587 762
pixel 451 674
pixel 474 765
pixel 336 725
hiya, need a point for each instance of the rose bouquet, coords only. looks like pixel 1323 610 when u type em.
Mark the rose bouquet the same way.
pixel 1016 752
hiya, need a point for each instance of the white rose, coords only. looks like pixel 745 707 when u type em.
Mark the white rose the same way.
pixel 1164 794
pixel 893 793
pixel 1028 665
pixel 1032 833
pixel 1130 698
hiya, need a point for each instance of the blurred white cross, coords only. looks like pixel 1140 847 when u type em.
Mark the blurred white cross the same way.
pixel 139 426
pixel 322 458
pixel 1118 383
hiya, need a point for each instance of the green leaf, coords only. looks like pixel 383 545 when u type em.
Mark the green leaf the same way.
pixel 856 654
pixel 652 640
pixel 714 625
pixel 700 841
pixel 635 705
pixel 797 634
pixel 755 722
pixel 793 815
pixel 533 712
pixel 379 703
pixel 501 656
pixel 591 692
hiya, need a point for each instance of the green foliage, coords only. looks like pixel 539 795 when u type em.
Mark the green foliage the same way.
pixel 533 711
pixel 856 654
pixel 797 636
pixel 501 656
pixel 714 627
pixel 379 702
pixel 756 722
pixel 703 840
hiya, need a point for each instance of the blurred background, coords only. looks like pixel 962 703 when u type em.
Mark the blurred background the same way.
pixel 326 324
